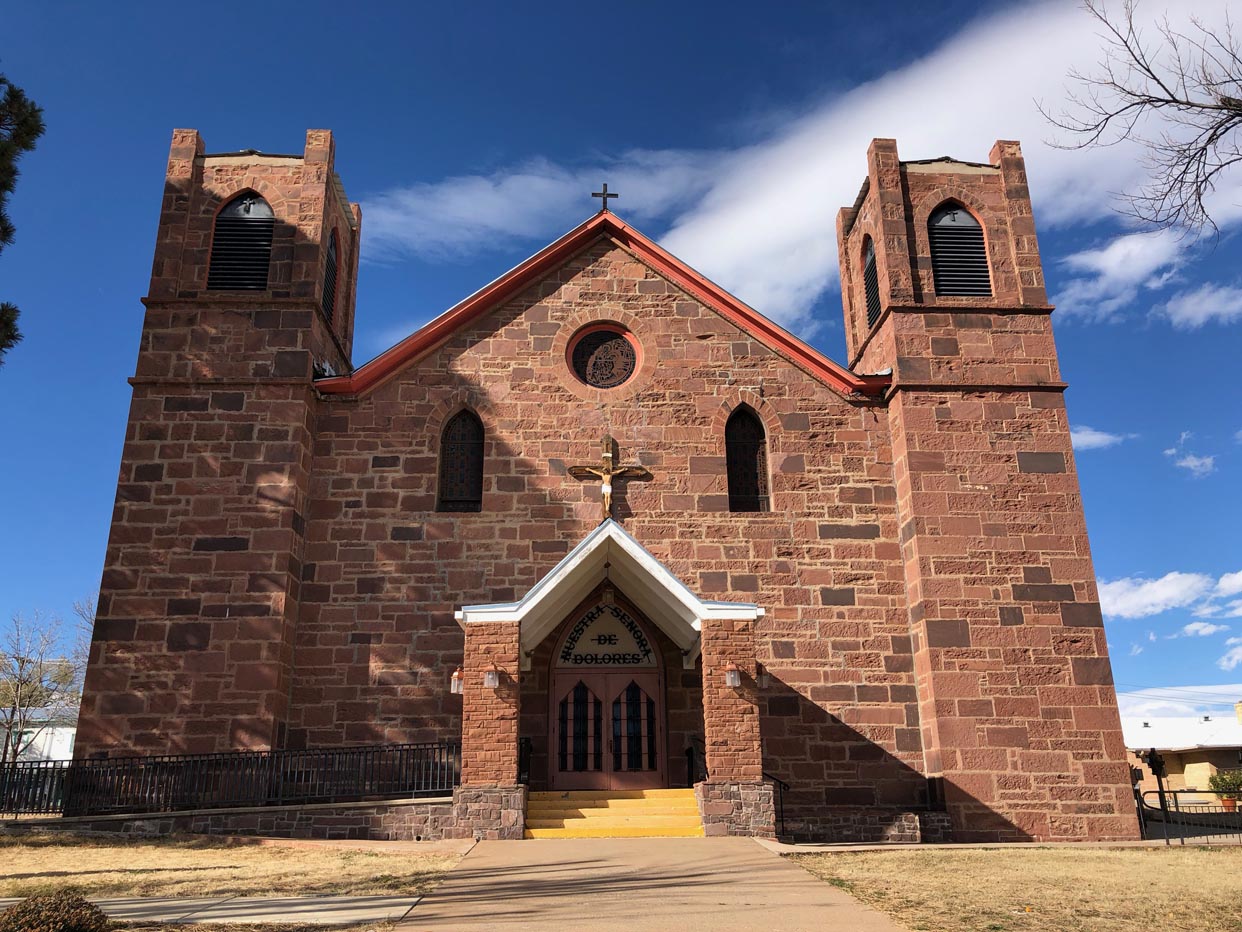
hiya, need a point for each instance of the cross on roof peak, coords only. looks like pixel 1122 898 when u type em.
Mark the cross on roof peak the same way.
pixel 604 195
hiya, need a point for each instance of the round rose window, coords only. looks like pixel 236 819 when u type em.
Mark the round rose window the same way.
pixel 604 356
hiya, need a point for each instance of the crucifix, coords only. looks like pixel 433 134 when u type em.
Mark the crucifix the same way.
pixel 604 195
pixel 605 472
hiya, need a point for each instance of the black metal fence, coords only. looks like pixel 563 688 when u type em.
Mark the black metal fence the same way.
pixel 1193 816
pixel 173 783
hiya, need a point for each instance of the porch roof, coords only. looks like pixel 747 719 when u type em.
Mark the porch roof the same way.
pixel 647 582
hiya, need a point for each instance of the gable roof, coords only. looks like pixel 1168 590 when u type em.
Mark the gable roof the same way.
pixel 604 224
pixel 611 552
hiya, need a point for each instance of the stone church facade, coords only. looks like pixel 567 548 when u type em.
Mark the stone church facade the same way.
pixel 871 583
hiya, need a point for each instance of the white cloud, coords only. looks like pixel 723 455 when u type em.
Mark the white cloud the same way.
pixel 1229 584
pixel 1180 701
pixel 1135 597
pixel 1197 466
pixel 1088 438
pixel 760 219
pixel 1233 656
pixel 1189 310
pixel 1140 597
pixel 472 213
pixel 1203 629
pixel 1136 649
pixel 1111 276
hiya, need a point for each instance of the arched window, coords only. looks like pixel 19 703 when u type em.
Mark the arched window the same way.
pixel 871 284
pixel 746 460
pixel 959 257
pixel 461 464
pixel 241 245
pixel 329 279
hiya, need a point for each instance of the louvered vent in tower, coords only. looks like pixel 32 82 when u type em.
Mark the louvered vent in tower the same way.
pixel 959 256
pixel 241 246
pixel 329 279
pixel 871 285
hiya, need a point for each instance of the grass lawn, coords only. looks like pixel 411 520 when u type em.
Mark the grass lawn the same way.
pixel 206 867
pixel 1064 889
pixel 249 927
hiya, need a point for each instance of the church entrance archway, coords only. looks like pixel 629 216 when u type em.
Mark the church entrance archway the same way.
pixel 607 715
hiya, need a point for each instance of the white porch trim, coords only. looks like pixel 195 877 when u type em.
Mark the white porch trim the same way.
pixel 660 595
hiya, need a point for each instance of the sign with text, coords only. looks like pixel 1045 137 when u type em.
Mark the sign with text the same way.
pixel 607 637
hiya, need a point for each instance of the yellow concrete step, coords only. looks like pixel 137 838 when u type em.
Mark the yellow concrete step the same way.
pixel 676 793
pixel 612 803
pixel 661 813
pixel 582 812
pixel 602 800
pixel 616 831
pixel 662 821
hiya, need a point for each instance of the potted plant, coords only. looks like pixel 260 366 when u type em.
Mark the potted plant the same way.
pixel 1227 784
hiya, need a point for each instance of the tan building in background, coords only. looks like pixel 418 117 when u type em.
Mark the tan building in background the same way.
pixel 1193 748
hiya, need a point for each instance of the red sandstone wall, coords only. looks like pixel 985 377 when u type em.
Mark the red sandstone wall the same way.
pixel 219 626
pixel 1017 707
pixel 384 572
pixel 194 640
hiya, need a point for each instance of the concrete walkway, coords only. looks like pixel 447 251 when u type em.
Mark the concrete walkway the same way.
pixel 636 884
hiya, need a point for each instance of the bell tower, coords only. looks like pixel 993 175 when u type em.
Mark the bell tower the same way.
pixel 252 294
pixel 270 238
pixel 941 282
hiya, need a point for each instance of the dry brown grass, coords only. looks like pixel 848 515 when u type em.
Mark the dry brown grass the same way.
pixel 1064 889
pixel 93 867
pixel 251 927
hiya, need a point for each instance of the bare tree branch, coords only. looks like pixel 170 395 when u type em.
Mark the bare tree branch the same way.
pixel 1179 96
pixel 40 681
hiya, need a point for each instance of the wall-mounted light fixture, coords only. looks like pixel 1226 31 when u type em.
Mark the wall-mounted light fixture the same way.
pixel 733 676
pixel 491 677
pixel 455 681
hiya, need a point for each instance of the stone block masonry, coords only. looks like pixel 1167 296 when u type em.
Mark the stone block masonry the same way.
pixel 736 808
pixel 731 714
pixel 397 820
pixel 489 739
pixel 278 573
pixel 201 588
pixel 1017 709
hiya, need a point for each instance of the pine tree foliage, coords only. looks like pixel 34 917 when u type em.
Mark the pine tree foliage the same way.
pixel 21 125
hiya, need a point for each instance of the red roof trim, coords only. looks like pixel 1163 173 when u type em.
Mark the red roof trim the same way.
pixel 431 336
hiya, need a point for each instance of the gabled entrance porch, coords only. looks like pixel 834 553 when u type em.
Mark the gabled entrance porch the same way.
pixel 609 666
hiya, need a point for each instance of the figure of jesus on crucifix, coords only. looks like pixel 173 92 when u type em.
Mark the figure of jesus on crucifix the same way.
pixel 606 472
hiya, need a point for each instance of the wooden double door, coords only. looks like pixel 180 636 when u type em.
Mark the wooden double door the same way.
pixel 607 730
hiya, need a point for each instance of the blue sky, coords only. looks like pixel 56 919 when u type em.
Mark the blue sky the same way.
pixel 474 133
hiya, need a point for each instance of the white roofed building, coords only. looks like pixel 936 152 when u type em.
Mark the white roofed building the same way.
pixel 1193 746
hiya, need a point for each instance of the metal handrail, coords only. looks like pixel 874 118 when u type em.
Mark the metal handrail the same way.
pixel 780 786
pixel 177 782
pixel 1205 823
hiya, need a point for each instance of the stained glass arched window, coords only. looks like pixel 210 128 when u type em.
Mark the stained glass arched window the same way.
pixel 461 464
pixel 746 460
